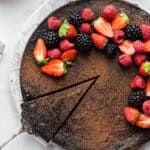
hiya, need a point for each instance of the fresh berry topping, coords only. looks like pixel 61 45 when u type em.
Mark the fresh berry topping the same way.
pixel 103 27
pixel 85 28
pixel 140 58
pixel 83 42
pixel 145 69
pixel 55 68
pixel 53 23
pixel 139 46
pixel 145 31
pixel 147 89
pixel 136 98
pixel 67 30
pixel 127 48
pixel 120 21
pixel 69 56
pixel 146 107
pixel 75 19
pixel 111 49
pixel 99 40
pixel 109 12
pixel 54 53
pixel 65 45
pixel 133 32
pixel 119 37
pixel 51 39
pixel 125 60
pixel 131 114
pixel 147 46
pixel 40 52
pixel 87 14
pixel 138 82
pixel 143 121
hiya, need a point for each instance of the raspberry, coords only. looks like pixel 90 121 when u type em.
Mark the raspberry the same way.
pixel 146 107
pixel 140 58
pixel 125 60
pixel 65 45
pixel 87 14
pixel 109 12
pixel 145 31
pixel 54 53
pixel 85 28
pixel 139 46
pixel 53 23
pixel 119 37
pixel 138 82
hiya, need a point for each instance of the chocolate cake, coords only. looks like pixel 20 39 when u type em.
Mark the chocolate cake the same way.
pixel 83 109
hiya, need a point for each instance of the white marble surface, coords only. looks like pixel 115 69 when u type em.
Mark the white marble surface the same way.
pixel 13 14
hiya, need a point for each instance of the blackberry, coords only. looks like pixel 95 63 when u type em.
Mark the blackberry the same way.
pixel 83 42
pixel 75 19
pixel 136 98
pixel 133 32
pixel 51 39
pixel 111 49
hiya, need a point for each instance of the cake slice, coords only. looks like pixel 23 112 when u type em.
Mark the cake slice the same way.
pixel 40 116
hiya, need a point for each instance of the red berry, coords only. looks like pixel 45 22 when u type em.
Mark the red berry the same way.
pixel 119 37
pixel 54 53
pixel 145 31
pixel 87 14
pixel 109 12
pixel 85 28
pixel 146 107
pixel 139 46
pixel 140 58
pixel 65 45
pixel 53 23
pixel 125 60
pixel 138 82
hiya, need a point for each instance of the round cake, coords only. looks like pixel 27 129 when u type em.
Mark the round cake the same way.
pixel 82 110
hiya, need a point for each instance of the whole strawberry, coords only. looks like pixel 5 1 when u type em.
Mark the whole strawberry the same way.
pixel 67 30
pixel 109 12
pixel 146 107
pixel 87 14
pixel 145 31
pixel 125 60
pixel 139 59
pixel 144 69
pixel 54 53
pixel 85 28
pixel 119 37
pixel 147 46
pixel 65 45
pixel 53 23
pixel 147 89
pixel 139 46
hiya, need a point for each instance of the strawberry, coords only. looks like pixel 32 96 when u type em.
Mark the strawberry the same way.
pixel 145 69
pixel 120 21
pixel 69 56
pixel 147 46
pixel 131 114
pixel 67 30
pixel 143 121
pixel 99 40
pixel 40 52
pixel 127 47
pixel 103 27
pixel 147 89
pixel 55 68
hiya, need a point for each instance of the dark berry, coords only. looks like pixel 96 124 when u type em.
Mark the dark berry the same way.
pixel 111 49
pixel 133 32
pixel 75 19
pixel 83 42
pixel 136 98
pixel 51 39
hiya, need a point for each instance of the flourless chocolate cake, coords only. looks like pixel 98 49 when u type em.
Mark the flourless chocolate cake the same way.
pixel 83 109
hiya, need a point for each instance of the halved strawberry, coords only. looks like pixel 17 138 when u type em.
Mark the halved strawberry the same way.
pixel 120 21
pixel 67 30
pixel 131 114
pixel 147 89
pixel 55 68
pixel 147 46
pixel 40 52
pixel 145 69
pixel 103 27
pixel 99 40
pixel 143 121
pixel 69 56
pixel 127 48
